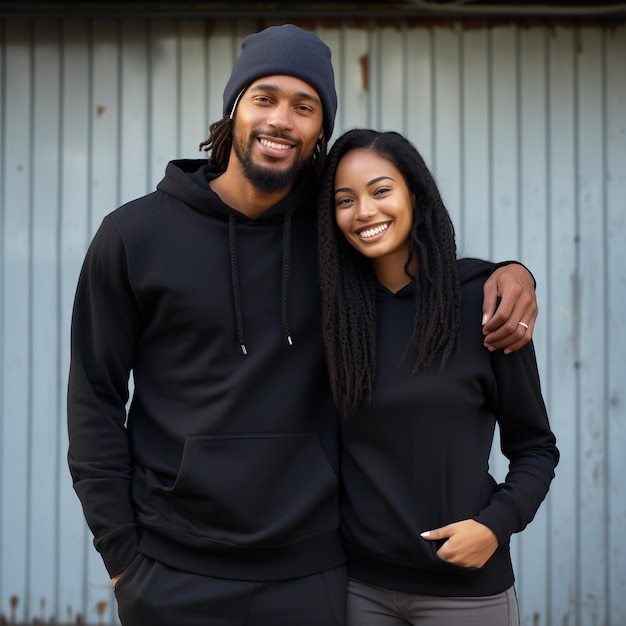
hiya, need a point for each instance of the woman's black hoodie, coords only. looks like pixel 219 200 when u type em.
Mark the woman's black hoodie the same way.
pixel 227 462
pixel 417 457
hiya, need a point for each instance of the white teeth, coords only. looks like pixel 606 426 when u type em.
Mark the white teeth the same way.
pixel 274 146
pixel 370 232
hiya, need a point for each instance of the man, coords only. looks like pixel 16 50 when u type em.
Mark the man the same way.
pixel 216 501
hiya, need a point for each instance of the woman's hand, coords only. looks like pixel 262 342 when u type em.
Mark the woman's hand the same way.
pixel 468 543
pixel 510 326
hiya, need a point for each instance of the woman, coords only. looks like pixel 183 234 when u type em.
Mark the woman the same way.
pixel 426 527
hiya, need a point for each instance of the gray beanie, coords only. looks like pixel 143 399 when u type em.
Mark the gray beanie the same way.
pixel 290 51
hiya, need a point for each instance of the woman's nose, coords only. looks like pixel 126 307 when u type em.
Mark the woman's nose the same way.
pixel 365 209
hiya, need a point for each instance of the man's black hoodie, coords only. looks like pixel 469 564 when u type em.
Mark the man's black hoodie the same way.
pixel 227 462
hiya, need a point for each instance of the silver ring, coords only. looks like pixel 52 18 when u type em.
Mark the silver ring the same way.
pixel 524 325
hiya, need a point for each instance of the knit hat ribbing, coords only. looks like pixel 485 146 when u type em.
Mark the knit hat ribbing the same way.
pixel 285 50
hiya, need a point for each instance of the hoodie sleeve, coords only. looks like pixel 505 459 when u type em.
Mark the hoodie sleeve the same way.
pixel 471 268
pixel 525 439
pixel 105 327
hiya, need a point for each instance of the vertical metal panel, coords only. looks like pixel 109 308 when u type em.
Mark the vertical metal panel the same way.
pixel 76 136
pixel 16 314
pixel 504 138
pixel 45 390
pixel 134 98
pixel 446 119
pixel 612 321
pixel 419 90
pixel 532 148
pixel 352 75
pixel 105 93
pixel 559 313
pixel 193 125
pixel 475 119
pixel 525 130
pixel 592 401
pixel 164 89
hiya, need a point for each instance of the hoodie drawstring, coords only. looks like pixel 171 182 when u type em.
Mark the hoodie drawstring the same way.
pixel 234 271
pixel 284 319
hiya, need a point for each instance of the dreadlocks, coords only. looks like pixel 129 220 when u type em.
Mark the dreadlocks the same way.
pixel 348 281
pixel 220 142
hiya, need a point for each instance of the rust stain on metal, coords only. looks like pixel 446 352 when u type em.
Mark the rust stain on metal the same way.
pixel 101 607
pixel 487 23
pixel 365 76
pixel 13 603
pixel 452 23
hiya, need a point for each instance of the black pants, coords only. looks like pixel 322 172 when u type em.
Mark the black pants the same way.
pixel 152 594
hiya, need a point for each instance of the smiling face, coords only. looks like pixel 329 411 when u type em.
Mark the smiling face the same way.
pixel 374 209
pixel 277 124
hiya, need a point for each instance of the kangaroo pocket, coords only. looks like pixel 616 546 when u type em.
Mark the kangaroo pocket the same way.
pixel 254 490
pixel 436 566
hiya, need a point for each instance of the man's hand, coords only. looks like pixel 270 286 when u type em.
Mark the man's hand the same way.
pixel 116 578
pixel 510 326
pixel 468 543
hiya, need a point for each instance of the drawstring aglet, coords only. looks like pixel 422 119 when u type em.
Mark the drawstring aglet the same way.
pixel 289 340
pixel 243 348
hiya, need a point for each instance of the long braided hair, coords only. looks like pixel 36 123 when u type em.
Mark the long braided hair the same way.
pixel 348 281
pixel 220 142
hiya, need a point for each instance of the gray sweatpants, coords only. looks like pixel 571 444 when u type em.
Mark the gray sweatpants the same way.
pixel 369 605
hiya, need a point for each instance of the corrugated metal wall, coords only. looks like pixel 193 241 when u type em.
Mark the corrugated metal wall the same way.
pixel 525 129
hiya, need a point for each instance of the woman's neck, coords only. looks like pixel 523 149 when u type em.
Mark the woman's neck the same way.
pixel 390 272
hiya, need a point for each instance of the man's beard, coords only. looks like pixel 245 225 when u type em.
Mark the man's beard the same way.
pixel 265 179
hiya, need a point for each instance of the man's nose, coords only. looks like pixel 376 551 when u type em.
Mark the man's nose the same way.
pixel 280 116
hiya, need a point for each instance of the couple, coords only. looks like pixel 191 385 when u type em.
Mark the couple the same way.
pixel 217 500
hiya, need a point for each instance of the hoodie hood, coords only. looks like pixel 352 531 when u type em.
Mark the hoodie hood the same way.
pixel 188 181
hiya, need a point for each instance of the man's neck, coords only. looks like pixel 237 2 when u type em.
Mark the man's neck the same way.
pixel 235 190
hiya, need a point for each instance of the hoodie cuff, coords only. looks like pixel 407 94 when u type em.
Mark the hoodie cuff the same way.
pixel 118 548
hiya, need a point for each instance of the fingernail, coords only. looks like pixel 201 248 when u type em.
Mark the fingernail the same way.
pixel 507 351
pixel 484 320
pixel 426 533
